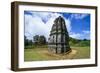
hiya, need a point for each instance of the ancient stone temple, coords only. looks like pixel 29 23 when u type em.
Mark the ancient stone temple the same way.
pixel 58 41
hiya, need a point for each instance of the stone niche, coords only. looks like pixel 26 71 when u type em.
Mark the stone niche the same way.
pixel 58 41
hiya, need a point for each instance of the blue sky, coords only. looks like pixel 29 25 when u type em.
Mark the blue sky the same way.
pixel 40 23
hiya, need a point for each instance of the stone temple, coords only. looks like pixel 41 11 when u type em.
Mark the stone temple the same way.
pixel 58 41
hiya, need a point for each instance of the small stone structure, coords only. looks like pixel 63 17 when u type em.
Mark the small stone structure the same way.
pixel 58 41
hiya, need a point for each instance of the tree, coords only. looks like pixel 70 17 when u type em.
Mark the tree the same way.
pixel 36 39
pixel 84 39
pixel 42 40
pixel 27 41
pixel 74 41
pixel 39 39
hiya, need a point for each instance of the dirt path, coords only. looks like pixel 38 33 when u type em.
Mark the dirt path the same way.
pixel 60 56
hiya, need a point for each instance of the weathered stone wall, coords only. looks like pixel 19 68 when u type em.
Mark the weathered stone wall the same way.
pixel 59 38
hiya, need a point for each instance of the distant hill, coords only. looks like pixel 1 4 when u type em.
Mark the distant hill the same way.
pixel 78 42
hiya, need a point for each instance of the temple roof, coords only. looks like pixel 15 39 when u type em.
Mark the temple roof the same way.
pixel 59 24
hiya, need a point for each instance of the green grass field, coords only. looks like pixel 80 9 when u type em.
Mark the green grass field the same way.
pixel 41 53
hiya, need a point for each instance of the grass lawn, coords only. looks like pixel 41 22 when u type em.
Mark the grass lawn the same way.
pixel 82 52
pixel 40 54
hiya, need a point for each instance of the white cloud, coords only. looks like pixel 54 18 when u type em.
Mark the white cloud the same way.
pixel 76 35
pixel 78 16
pixel 86 31
pixel 43 15
pixel 68 24
pixel 34 24
pixel 84 35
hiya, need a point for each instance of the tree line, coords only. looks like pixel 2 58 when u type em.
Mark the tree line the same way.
pixel 41 40
pixel 37 40
pixel 79 42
